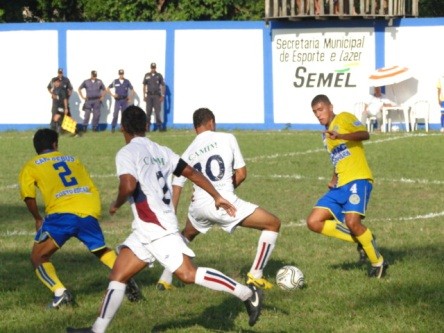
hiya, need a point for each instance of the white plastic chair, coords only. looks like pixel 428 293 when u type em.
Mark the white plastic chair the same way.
pixel 359 109
pixel 420 111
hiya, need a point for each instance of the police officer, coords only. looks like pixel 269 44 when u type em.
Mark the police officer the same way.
pixel 154 92
pixel 123 93
pixel 64 84
pixel 95 91
pixel 59 105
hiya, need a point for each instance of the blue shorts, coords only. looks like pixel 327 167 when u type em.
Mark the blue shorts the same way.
pixel 61 227
pixel 349 198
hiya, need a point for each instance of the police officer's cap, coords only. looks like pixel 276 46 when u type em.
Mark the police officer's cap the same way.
pixel 60 71
pixel 93 73
pixel 121 71
pixel 153 65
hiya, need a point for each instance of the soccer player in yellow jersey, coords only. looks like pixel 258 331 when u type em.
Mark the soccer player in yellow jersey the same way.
pixel 340 211
pixel 72 207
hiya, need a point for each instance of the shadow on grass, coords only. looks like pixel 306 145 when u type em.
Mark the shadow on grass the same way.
pixel 395 256
pixel 217 318
pixel 16 212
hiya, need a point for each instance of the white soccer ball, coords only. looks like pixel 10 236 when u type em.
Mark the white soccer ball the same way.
pixel 289 278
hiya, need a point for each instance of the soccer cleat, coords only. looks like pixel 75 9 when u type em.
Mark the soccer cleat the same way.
pixel 162 285
pixel 79 330
pixel 362 254
pixel 261 283
pixel 132 291
pixel 379 271
pixel 254 304
pixel 66 299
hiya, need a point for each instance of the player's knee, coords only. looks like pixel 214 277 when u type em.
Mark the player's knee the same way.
pixel 273 224
pixel 314 224
pixel 186 276
pixel 276 224
pixel 37 259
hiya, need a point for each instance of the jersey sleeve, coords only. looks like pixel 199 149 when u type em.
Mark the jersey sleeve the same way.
pixel 351 124
pixel 237 154
pixel 124 164
pixel 179 181
pixel 172 157
pixel 27 184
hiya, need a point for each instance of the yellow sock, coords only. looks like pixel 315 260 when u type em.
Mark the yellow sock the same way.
pixel 47 274
pixel 338 230
pixel 109 258
pixel 369 246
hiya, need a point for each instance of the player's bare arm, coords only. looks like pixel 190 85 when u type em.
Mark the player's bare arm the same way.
pixel 333 180
pixel 355 136
pixel 31 203
pixel 239 176
pixel 177 190
pixel 127 186
pixel 200 180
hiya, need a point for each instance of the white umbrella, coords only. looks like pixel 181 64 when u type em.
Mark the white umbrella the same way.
pixel 389 75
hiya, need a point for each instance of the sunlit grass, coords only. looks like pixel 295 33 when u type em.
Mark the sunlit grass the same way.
pixel 287 172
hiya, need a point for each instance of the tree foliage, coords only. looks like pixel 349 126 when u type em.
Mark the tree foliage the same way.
pixel 150 10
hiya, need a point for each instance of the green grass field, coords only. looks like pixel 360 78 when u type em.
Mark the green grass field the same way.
pixel 287 172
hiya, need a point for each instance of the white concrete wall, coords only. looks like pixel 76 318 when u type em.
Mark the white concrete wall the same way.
pixel 244 71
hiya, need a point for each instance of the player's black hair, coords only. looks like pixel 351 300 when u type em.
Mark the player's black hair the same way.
pixel 44 139
pixel 320 99
pixel 134 120
pixel 202 116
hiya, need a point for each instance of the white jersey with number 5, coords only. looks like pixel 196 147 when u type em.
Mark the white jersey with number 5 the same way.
pixel 216 155
pixel 152 166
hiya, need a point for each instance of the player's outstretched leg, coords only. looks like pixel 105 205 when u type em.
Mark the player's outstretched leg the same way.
pixel 254 305
pixel 132 292
pixel 47 274
pixel 250 295
pixel 110 304
pixel 266 244
pixel 270 226
pixel 165 281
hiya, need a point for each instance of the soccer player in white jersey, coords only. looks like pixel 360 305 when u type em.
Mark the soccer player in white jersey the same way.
pixel 144 168
pixel 218 157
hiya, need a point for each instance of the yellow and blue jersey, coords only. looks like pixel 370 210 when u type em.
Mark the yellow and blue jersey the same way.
pixel 348 157
pixel 64 183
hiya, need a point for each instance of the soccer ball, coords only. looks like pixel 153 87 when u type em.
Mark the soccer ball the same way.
pixel 289 278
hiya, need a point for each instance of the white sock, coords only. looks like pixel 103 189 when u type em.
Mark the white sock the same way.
pixel 265 246
pixel 215 280
pixel 111 303
pixel 59 292
pixel 166 276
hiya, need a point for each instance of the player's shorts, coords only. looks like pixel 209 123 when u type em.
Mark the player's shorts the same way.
pixel 203 215
pixel 61 227
pixel 168 250
pixel 349 198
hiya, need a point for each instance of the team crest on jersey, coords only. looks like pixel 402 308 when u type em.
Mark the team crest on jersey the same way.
pixel 354 199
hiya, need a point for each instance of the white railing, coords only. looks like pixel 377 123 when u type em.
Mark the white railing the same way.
pixel 294 9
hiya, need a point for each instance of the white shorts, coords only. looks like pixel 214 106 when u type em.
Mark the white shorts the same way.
pixel 203 215
pixel 168 250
